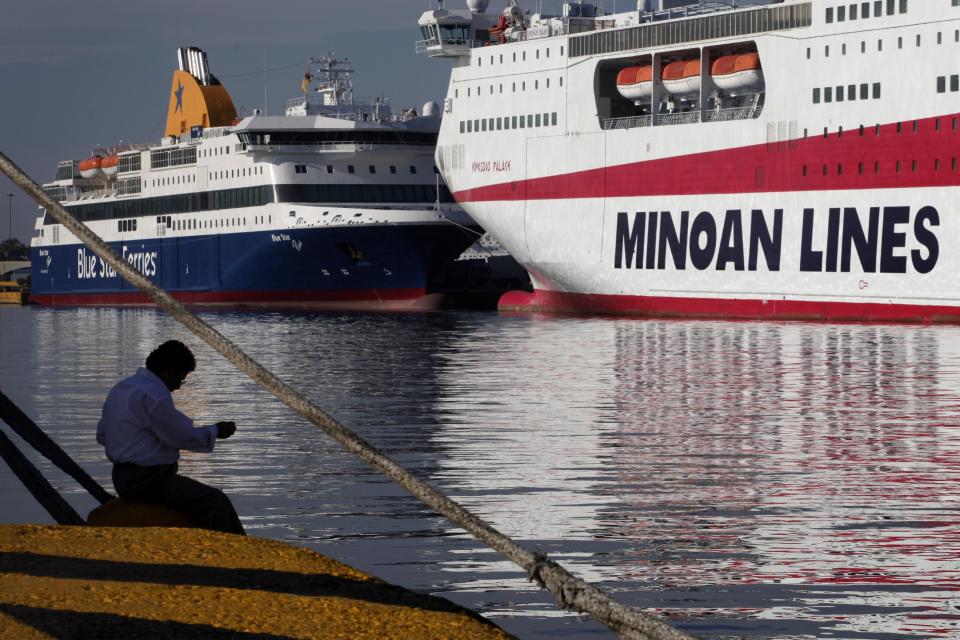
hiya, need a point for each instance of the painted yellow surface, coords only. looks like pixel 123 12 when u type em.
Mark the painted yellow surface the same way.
pixel 186 583
pixel 194 105
pixel 10 293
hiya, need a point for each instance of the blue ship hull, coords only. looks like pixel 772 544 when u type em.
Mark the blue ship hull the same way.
pixel 359 267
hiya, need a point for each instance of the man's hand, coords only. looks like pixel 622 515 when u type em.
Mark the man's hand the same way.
pixel 225 429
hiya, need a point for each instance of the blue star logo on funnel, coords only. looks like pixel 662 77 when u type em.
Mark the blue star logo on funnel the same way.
pixel 179 94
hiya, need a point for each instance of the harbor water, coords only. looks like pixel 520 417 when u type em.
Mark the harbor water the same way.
pixel 747 480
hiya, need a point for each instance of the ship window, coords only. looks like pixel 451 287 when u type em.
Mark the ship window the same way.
pixel 829 15
pixel 839 169
pixel 899 167
pixel 942 84
pixel 826 51
pixel 329 168
pixel 476 125
pixel 490 124
pixel 863 46
pixel 878 8
pixel 523 86
pixel 804 171
pixel 808 53
pixel 876 167
pixel 843 49
pixel 553 118
pixel 956 33
pixel 852 92
pixel 536 84
pixel 899 127
pixel 853 12
pixel 824 169
pixel 537 120
pixel 373 169
pixel 880 44
pixel 413 169
pixel 864 91
pixel 513 122
pixel 936 165
pixel 514 56
pixel 828 94
pixel 530 121
pixel 840 94
pixel 506 122
pixel 501 87
pixel 561 79
pixel 841 13
pixel 524 56
pixel 501 58
pixel 350 169
pixel 499 124
pixel 538 54
pixel 864 10
pixel 876 90
pixel 483 124
pixel 890 6
pixel 939 37
pixel 393 169
pixel 899 43
pixel 918 39
pixel 860 168
pixel 561 46
pixel 954 83
pixel 903 6
pixel 523 122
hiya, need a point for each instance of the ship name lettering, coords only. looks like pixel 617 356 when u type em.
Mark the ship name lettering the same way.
pixel 880 245
pixel 492 166
pixel 654 235
pixel 279 237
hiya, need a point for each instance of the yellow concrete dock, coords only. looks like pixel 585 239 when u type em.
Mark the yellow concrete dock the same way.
pixel 97 582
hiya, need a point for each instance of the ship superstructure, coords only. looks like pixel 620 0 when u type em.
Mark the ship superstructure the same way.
pixel 790 159
pixel 334 204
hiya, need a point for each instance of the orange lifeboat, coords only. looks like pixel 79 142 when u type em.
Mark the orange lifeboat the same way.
pixel 682 77
pixel 635 83
pixel 91 167
pixel 738 73
pixel 109 165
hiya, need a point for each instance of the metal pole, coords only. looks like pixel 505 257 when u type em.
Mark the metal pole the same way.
pixel 10 226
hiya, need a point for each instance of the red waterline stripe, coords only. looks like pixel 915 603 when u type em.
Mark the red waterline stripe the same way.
pixel 740 309
pixel 346 298
pixel 832 164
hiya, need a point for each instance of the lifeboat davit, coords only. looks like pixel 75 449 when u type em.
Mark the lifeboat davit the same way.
pixel 636 83
pixel 738 73
pixel 109 165
pixel 91 167
pixel 681 77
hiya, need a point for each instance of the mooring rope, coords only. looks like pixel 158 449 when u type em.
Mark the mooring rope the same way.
pixel 570 592
pixel 27 429
pixel 41 489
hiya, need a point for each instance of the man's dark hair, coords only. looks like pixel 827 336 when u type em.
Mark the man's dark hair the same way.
pixel 172 354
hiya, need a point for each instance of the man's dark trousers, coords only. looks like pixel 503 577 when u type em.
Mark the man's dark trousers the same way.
pixel 161 485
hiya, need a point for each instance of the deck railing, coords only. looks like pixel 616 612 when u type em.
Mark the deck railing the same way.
pixel 631 122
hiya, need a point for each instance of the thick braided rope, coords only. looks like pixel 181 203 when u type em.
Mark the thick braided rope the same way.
pixel 570 591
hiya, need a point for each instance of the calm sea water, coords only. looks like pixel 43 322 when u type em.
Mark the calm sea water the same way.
pixel 749 480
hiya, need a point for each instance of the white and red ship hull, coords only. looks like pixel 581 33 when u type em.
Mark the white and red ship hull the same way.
pixel 806 210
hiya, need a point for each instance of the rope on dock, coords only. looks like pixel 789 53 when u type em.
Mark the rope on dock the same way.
pixel 33 480
pixel 27 429
pixel 571 592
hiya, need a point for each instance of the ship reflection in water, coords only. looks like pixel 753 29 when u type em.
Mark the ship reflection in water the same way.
pixel 747 479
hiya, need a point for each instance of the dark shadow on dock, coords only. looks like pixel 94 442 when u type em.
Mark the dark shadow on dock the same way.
pixel 281 582
pixel 74 625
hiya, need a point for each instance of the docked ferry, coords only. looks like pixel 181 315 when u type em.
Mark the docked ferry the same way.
pixel 779 159
pixel 334 204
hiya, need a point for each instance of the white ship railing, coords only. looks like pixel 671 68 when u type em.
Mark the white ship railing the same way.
pixel 688 117
pixel 329 147
pixel 726 115
pixel 631 122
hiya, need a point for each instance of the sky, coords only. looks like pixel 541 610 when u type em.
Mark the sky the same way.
pixel 78 75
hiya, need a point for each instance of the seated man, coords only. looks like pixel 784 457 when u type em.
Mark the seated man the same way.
pixel 143 434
